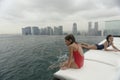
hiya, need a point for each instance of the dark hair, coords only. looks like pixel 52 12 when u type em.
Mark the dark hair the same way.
pixel 70 37
pixel 107 38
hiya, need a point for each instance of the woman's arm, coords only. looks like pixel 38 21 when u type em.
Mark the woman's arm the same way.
pixel 80 49
pixel 106 46
pixel 115 47
pixel 70 56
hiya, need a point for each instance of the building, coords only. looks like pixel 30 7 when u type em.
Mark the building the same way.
pixel 90 28
pixel 74 30
pixel 96 28
pixel 43 31
pixel 55 30
pixel 23 31
pixel 49 31
pixel 112 27
pixel 93 31
pixel 35 31
pixel 60 30
pixel 26 31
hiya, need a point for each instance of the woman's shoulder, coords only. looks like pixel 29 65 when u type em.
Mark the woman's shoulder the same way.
pixel 106 42
pixel 72 45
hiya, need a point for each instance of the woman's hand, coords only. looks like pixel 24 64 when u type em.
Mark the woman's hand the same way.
pixel 64 68
pixel 116 50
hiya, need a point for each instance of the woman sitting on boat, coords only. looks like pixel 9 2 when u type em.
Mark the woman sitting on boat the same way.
pixel 76 57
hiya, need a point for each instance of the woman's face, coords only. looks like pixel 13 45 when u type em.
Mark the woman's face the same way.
pixel 111 38
pixel 67 42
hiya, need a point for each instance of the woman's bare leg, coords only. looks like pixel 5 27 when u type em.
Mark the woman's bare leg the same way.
pixel 92 47
pixel 74 65
pixel 64 64
pixel 88 46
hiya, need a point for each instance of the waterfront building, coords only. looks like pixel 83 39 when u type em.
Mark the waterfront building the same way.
pixel 35 30
pixel 74 30
pixel 26 31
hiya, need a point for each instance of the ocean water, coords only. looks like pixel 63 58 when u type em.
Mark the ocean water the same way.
pixel 30 57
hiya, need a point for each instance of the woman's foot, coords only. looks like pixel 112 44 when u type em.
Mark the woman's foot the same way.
pixel 84 44
pixel 64 68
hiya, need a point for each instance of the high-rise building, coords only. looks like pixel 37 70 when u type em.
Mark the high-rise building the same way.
pixel 43 31
pixel 55 30
pixel 26 31
pixel 74 30
pixel 93 31
pixel 23 31
pixel 89 25
pixel 60 30
pixel 35 31
pixel 90 28
pixel 96 28
pixel 49 31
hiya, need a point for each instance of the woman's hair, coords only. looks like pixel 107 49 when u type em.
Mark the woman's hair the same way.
pixel 108 36
pixel 70 37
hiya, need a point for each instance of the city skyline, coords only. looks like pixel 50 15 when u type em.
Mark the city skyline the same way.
pixel 35 30
pixel 58 30
pixel 93 29
pixel 16 14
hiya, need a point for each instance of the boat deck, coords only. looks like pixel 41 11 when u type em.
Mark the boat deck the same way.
pixel 98 65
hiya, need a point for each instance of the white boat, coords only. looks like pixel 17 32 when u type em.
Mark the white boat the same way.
pixel 98 65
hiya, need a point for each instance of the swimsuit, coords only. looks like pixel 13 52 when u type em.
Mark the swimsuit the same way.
pixel 99 47
pixel 78 58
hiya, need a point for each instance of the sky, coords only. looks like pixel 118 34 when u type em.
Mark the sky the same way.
pixel 16 14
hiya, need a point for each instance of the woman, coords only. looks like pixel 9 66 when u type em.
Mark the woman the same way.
pixel 105 45
pixel 76 57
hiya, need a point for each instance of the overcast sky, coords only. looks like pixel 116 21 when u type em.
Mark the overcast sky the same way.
pixel 15 14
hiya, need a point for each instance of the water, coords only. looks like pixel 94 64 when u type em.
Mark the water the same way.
pixel 29 57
